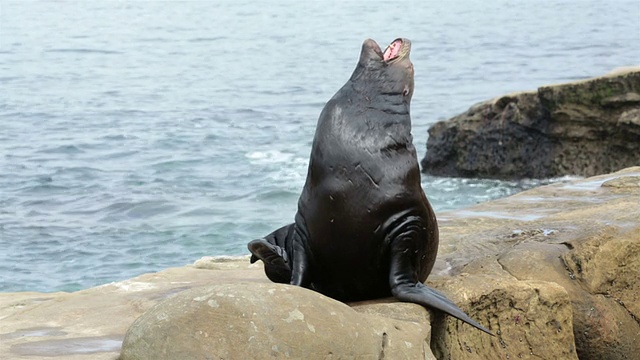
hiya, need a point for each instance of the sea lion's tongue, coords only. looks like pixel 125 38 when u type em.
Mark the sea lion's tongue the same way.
pixel 391 52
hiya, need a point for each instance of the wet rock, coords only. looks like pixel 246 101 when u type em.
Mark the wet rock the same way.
pixel 249 321
pixel 623 182
pixel 582 128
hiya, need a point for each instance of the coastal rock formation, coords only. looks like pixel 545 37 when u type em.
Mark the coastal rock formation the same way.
pixel 582 236
pixel 593 277
pixel 257 321
pixel 582 128
pixel 554 272
pixel 241 321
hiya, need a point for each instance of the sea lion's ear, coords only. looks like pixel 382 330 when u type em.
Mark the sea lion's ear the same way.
pixel 370 50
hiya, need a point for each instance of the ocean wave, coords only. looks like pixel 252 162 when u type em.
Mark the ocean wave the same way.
pixel 85 51
pixel 269 157
pixel 62 149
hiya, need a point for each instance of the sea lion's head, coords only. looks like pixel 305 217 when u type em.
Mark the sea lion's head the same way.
pixel 388 73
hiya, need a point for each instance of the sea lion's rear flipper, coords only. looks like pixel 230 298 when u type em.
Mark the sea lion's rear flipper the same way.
pixel 405 286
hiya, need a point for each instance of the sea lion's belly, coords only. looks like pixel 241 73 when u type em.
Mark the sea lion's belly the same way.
pixel 347 212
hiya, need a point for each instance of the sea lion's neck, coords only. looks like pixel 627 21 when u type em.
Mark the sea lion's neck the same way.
pixel 392 107
pixel 390 102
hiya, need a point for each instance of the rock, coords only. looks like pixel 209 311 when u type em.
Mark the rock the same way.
pixel 623 182
pixel 553 271
pixel 590 250
pixel 607 266
pixel 90 324
pixel 525 315
pixel 249 321
pixel 582 128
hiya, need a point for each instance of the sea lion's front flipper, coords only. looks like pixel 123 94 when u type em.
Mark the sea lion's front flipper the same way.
pixel 274 258
pixel 405 286
pixel 300 265
pixel 272 251
pixel 283 253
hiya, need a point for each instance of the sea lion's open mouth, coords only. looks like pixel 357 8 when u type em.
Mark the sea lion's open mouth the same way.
pixel 394 50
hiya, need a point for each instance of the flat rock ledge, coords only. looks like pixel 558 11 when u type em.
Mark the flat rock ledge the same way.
pixel 583 128
pixel 554 272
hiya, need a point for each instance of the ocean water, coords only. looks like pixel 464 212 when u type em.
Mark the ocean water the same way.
pixel 140 135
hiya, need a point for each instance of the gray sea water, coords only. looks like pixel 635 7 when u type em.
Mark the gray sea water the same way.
pixel 139 135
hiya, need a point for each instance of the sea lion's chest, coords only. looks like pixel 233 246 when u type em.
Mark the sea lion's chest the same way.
pixel 361 172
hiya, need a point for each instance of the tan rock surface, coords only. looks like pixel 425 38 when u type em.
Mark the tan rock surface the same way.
pixel 90 324
pixel 554 270
pixel 245 321
pixel 582 236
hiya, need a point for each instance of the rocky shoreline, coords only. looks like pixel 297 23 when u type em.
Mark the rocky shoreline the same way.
pixel 553 271
pixel 583 128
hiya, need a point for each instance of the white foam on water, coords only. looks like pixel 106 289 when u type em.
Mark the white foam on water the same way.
pixel 268 157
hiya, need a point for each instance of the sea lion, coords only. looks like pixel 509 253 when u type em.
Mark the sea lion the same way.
pixel 364 227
